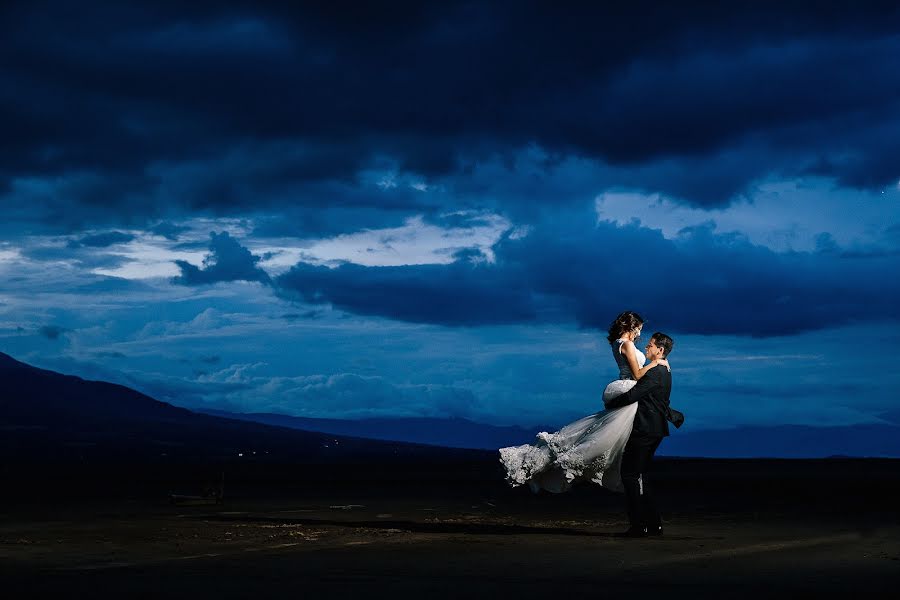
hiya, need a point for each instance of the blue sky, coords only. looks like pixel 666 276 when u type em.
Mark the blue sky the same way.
pixel 436 210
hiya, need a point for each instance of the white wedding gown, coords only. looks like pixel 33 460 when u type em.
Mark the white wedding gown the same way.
pixel 590 449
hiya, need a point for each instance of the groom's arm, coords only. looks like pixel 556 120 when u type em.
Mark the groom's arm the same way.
pixel 641 390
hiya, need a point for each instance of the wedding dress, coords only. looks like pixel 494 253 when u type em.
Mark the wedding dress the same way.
pixel 590 449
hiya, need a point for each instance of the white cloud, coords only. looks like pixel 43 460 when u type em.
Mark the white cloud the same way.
pixel 414 243
pixel 9 254
pixel 149 257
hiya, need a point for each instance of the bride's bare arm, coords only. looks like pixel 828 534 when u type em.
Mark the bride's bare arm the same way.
pixel 630 352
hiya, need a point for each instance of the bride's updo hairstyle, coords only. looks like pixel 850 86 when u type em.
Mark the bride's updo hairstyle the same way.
pixel 626 321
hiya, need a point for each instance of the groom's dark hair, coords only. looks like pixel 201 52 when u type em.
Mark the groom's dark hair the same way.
pixel 663 341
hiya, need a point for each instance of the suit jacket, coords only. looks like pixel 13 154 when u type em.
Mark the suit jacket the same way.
pixel 652 396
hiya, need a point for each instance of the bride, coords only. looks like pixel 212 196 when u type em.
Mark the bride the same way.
pixel 590 448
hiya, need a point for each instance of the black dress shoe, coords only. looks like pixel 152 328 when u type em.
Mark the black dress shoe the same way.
pixel 654 531
pixel 634 532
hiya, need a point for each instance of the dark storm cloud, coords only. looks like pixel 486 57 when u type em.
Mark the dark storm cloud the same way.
pixel 170 231
pixel 227 261
pixel 101 240
pixel 704 282
pixel 52 332
pixel 321 222
pixel 113 285
pixel 83 256
pixel 160 108
pixel 701 282
pixel 456 294
pixel 458 220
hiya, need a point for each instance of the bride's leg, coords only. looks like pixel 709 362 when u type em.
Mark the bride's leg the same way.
pixel 617 388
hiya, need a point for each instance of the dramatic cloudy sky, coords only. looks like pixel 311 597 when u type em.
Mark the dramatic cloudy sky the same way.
pixel 437 208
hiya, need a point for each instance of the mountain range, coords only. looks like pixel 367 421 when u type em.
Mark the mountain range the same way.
pixel 782 441
pixel 449 432
pixel 48 415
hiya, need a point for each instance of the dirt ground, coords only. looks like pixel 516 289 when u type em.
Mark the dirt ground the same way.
pixel 485 542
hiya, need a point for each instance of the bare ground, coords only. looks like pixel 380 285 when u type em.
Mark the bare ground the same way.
pixel 459 542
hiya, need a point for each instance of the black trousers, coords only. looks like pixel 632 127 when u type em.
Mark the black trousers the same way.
pixel 639 498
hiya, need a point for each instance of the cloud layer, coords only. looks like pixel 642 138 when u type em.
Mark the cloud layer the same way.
pixel 123 113
pixel 436 208
pixel 701 282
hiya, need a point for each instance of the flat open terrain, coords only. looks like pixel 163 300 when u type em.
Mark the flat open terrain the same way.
pixel 742 528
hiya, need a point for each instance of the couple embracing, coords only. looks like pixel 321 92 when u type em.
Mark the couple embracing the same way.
pixel 614 447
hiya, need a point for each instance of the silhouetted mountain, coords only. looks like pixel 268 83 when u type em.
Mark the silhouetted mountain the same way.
pixel 37 397
pixel 787 441
pixel 49 416
pixel 452 433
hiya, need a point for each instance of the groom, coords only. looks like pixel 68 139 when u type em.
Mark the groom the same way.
pixel 652 396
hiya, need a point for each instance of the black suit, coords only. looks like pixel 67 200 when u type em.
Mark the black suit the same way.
pixel 652 396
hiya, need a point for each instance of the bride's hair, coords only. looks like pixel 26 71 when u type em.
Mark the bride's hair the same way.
pixel 626 321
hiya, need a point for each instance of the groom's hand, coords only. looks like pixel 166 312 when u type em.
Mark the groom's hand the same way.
pixel 649 382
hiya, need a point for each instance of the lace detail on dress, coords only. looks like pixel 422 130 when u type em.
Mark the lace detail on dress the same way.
pixel 575 464
pixel 588 449
pixel 524 462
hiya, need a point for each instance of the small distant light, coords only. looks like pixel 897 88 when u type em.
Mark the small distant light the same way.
pixel 240 453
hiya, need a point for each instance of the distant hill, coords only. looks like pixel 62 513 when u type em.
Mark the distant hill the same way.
pixel 47 416
pixel 787 441
pixel 452 433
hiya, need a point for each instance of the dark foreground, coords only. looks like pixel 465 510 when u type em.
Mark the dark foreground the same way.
pixel 451 530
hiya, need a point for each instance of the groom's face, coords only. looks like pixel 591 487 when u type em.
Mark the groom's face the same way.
pixel 652 351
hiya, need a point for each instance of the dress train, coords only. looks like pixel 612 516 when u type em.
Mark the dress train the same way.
pixel 589 449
